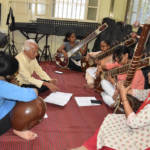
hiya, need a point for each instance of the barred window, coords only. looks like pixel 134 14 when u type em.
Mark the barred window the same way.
pixel 75 9
pixel 86 10
pixel 69 9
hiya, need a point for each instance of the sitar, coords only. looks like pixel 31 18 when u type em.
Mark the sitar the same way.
pixel 119 70
pixel 127 42
pixel 134 64
pixel 63 61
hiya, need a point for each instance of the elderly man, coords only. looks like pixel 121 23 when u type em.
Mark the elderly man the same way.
pixel 28 64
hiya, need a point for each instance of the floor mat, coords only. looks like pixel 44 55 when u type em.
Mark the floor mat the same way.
pixel 66 127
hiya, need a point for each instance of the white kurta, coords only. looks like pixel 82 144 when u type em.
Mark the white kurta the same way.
pixel 120 133
pixel 26 69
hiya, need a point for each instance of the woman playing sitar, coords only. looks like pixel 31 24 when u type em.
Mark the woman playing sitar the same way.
pixel 121 56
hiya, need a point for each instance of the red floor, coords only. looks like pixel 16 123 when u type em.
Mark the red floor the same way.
pixel 66 127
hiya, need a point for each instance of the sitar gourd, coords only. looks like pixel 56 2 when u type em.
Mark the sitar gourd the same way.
pixel 63 61
pixel 26 115
pixel 134 64
pixel 128 41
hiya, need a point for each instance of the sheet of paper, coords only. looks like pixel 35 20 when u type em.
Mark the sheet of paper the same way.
pixel 58 98
pixel 85 101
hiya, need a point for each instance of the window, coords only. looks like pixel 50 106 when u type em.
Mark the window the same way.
pixel 85 10
pixel 39 8
pixel 75 9
pixel 140 11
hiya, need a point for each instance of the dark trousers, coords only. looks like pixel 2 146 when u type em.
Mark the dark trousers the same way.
pixel 73 66
pixel 40 90
pixel 5 124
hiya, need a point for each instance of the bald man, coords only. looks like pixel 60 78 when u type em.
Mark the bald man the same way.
pixel 28 65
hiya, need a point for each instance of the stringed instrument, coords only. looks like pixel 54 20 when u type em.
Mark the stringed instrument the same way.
pixel 134 65
pixel 63 61
pixel 26 115
pixel 119 70
pixel 127 42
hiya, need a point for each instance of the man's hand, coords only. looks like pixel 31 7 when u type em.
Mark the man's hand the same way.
pixel 54 81
pixel 51 86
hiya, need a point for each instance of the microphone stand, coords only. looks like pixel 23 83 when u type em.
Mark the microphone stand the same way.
pixel 12 50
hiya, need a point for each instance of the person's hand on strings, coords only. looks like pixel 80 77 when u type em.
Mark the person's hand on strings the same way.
pixel 122 89
pixel 111 79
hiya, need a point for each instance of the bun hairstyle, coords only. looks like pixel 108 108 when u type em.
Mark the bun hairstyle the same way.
pixel 27 44
pixel 8 65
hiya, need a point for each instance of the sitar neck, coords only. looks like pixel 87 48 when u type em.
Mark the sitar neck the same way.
pixel 137 54
pixel 107 53
pixel 87 39
pixel 123 69
pixel 127 42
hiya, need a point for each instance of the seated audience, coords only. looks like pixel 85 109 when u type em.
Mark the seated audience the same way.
pixel 28 65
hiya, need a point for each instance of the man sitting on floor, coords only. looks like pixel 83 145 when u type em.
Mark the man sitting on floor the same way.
pixel 28 64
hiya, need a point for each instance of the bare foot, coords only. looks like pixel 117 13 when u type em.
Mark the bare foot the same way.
pixel 27 135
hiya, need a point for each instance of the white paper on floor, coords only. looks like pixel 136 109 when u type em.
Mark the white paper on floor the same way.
pixel 58 98
pixel 85 101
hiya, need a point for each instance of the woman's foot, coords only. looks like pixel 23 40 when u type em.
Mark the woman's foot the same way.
pixel 27 135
